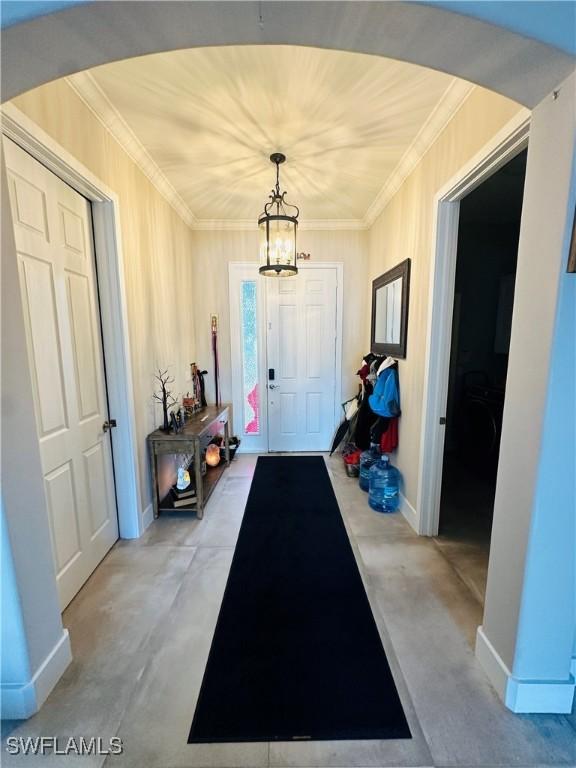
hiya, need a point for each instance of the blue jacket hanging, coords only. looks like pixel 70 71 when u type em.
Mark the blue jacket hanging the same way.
pixel 385 400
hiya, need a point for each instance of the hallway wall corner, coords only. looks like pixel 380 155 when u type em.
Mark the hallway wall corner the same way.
pixel 22 700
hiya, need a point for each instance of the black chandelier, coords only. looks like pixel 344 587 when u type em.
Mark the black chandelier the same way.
pixel 278 231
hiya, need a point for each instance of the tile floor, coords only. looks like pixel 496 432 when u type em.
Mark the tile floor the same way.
pixel 466 509
pixel 141 630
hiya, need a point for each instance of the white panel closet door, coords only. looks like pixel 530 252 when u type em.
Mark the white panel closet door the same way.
pixel 301 348
pixel 52 225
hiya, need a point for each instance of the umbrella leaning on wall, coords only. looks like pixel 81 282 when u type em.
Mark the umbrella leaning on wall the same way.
pixel 346 428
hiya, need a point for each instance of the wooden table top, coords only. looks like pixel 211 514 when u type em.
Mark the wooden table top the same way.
pixel 197 425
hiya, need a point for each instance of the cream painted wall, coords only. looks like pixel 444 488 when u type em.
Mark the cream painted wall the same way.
pixel 405 229
pixel 215 249
pixel 157 248
pixel 171 295
pixel 529 616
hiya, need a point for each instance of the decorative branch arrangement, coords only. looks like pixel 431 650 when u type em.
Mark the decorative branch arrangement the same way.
pixel 164 396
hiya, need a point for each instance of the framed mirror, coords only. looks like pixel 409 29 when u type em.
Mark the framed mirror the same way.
pixel 390 294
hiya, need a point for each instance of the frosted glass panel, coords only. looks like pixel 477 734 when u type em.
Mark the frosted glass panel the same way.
pixel 250 392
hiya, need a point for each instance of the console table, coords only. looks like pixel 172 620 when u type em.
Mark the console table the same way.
pixel 197 434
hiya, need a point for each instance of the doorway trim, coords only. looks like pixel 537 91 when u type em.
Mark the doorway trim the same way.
pixel 507 143
pixel 113 308
pixel 235 270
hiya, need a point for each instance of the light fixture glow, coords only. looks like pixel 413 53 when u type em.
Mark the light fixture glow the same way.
pixel 278 231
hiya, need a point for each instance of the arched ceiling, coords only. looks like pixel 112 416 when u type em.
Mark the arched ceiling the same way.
pixel 209 118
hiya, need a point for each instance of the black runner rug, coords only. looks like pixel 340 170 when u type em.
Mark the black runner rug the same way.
pixel 296 652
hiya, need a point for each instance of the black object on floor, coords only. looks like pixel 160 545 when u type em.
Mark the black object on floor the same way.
pixel 296 653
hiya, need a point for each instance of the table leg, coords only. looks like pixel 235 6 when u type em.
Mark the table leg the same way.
pixel 227 443
pixel 154 477
pixel 198 479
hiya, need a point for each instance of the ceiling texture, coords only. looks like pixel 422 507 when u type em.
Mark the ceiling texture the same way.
pixel 202 123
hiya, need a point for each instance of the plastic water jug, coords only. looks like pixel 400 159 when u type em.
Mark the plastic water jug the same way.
pixel 384 493
pixel 367 460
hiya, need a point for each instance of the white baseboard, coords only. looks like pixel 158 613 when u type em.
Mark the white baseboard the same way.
pixel 523 696
pixel 147 517
pixel 490 661
pixel 21 701
pixel 540 696
pixel 409 512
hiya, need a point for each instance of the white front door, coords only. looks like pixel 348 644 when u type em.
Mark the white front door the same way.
pixel 53 231
pixel 301 351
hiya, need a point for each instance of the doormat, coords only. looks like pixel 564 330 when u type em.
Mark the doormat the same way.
pixel 296 653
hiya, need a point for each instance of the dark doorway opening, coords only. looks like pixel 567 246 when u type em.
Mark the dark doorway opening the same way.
pixel 489 228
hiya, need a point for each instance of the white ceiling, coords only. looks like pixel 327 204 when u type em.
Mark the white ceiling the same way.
pixel 202 123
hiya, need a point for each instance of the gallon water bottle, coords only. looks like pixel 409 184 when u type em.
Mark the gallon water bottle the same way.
pixel 367 460
pixel 384 493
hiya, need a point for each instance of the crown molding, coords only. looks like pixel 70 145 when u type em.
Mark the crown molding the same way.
pixel 252 225
pixel 88 90
pixel 451 101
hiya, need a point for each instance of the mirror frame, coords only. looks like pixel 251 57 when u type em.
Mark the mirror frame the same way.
pixel 393 350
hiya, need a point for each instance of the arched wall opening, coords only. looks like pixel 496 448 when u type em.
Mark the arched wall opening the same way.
pixel 521 69
pixel 92 34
